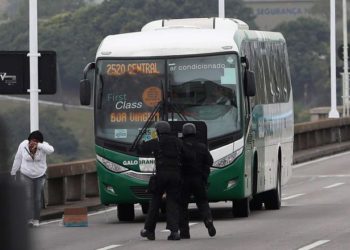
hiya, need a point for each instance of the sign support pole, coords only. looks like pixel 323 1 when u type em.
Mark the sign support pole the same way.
pixel 33 65
pixel 221 8
pixel 333 113
pixel 346 62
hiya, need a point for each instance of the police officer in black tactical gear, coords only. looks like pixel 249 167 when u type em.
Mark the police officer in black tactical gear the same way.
pixel 197 161
pixel 166 150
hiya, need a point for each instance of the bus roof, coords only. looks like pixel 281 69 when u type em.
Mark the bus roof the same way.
pixel 182 37
pixel 166 42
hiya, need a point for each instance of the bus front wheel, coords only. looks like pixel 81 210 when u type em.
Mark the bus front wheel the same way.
pixel 241 208
pixel 126 212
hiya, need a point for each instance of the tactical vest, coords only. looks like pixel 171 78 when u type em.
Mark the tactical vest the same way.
pixel 169 154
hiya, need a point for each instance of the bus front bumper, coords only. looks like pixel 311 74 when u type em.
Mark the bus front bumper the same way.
pixel 122 188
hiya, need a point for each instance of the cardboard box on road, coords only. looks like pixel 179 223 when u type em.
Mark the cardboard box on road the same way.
pixel 75 217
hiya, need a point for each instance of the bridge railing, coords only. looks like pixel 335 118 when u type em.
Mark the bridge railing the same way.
pixel 74 181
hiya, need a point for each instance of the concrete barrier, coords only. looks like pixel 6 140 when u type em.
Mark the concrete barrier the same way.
pixel 74 181
pixel 320 133
pixel 71 181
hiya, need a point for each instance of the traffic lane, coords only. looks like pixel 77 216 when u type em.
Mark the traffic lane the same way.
pixel 329 165
pixel 289 228
pixel 322 187
pixel 103 228
pixel 317 181
pixel 301 222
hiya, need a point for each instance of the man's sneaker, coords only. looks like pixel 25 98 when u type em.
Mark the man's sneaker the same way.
pixel 185 235
pixel 147 234
pixel 210 226
pixel 174 236
pixel 36 223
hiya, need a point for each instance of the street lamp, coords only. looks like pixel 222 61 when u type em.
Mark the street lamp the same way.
pixel 333 113
pixel 33 65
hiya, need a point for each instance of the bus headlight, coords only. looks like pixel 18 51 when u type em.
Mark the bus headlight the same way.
pixel 228 159
pixel 110 189
pixel 111 165
pixel 231 183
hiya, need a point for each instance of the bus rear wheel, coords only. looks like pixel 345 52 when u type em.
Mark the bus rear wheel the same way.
pixel 241 208
pixel 256 203
pixel 273 197
pixel 126 212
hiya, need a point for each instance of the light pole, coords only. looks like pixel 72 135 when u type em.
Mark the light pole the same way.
pixel 346 62
pixel 333 113
pixel 222 8
pixel 33 65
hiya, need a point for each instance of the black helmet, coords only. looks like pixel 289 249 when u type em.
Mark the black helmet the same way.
pixel 188 129
pixel 163 127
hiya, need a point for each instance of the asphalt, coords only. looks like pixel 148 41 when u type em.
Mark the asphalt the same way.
pixel 94 204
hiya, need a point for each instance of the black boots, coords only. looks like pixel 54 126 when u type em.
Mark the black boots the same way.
pixel 151 236
pixel 174 236
pixel 147 234
pixel 185 235
pixel 210 226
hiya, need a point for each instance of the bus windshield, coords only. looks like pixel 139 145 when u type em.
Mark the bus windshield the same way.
pixel 126 93
pixel 206 89
pixel 199 88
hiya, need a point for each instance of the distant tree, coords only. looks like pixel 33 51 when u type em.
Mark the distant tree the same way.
pixel 322 8
pixel 63 140
pixel 75 36
pixel 46 8
pixel 308 49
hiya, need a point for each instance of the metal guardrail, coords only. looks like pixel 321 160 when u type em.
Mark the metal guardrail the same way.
pixel 74 181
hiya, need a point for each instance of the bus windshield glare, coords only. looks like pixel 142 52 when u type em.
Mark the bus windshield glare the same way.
pixel 206 89
pixel 200 88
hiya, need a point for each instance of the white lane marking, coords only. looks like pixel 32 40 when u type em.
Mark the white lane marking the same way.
pixel 103 211
pixel 335 185
pixel 167 230
pixel 90 214
pixel 334 175
pixel 320 159
pixel 109 247
pixel 323 176
pixel 313 245
pixel 50 222
pixel 291 196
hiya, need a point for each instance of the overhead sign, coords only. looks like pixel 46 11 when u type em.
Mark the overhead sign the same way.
pixel 14 72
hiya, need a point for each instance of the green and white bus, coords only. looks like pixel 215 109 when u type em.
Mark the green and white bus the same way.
pixel 213 70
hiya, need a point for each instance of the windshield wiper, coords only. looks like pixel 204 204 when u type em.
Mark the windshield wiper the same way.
pixel 175 108
pixel 100 93
pixel 164 103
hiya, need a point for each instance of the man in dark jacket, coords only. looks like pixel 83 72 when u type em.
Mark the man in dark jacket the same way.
pixel 197 161
pixel 166 150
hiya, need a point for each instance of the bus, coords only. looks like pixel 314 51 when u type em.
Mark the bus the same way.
pixel 211 70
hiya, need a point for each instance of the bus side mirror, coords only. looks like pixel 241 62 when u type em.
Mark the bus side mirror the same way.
pixel 249 83
pixel 85 92
pixel 85 85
